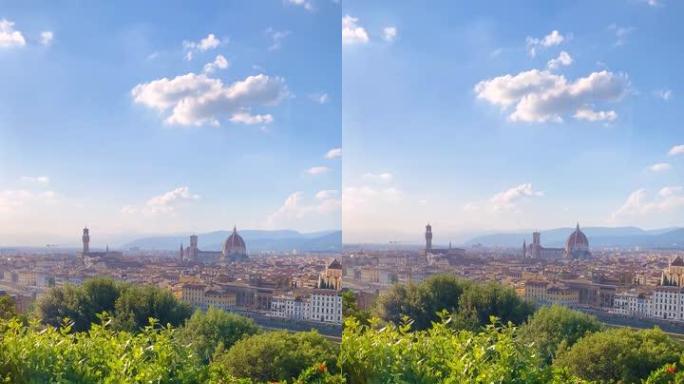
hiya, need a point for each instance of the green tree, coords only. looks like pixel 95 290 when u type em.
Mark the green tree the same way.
pixel 556 328
pixel 215 330
pixel 8 307
pixel 351 309
pixel 275 356
pixel 137 304
pixel 472 303
pixel 619 355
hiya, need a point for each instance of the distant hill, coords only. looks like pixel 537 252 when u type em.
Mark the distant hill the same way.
pixel 257 241
pixel 622 237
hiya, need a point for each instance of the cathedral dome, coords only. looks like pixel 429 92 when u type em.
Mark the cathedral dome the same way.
pixel 234 244
pixel 577 242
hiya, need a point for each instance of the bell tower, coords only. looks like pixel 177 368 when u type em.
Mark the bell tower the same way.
pixel 428 238
pixel 86 240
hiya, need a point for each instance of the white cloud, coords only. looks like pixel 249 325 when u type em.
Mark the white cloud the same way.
pixel 389 33
pixel 589 115
pixel 318 170
pixel 192 99
pixel 508 198
pixel 41 180
pixel 306 4
pixel 276 37
pixel 676 150
pixel 541 96
pixel 352 33
pixel 665 94
pixel 334 153
pixel 564 59
pixel 205 44
pixel 660 167
pixel 621 34
pixel 166 203
pixel 10 37
pixel 552 39
pixel 379 177
pixel 356 199
pixel 320 98
pixel 220 62
pixel 13 199
pixel 46 38
pixel 297 207
pixel 638 203
pixel 246 118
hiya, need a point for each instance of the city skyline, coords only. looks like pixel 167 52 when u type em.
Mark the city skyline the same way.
pixel 465 117
pixel 122 121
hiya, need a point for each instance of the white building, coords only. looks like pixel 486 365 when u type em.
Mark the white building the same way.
pixel 326 306
pixel 632 303
pixel 320 305
pixel 668 303
pixel 291 307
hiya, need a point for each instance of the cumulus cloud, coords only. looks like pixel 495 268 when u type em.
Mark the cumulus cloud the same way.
pixel 638 203
pixel 205 44
pixel 550 40
pixel 542 96
pixel 389 33
pixel 334 153
pixel 193 99
pixel 298 207
pixel 352 32
pixel 318 170
pixel 246 118
pixel 509 198
pixel 46 38
pixel 276 37
pixel 165 203
pixel 676 150
pixel 220 62
pixel 664 94
pixel 320 98
pixel 589 115
pixel 10 37
pixel 564 59
pixel 306 4
pixel 660 167
pixel 40 180
pixel 356 198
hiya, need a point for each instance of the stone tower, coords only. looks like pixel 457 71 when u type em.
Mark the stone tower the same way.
pixel 428 238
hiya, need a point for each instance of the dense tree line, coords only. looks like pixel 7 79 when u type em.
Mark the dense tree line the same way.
pixel 130 306
pixel 471 304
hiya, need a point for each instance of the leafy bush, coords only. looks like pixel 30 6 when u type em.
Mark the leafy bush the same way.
pixel 553 329
pixel 620 355
pixel 275 356
pixel 441 354
pixel 215 330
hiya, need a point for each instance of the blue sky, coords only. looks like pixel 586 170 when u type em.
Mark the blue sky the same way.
pixel 165 116
pixel 499 115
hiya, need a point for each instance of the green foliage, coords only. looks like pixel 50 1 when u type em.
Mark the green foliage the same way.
pixel 620 355
pixel 441 354
pixel 274 356
pixel 33 354
pixel 215 330
pixel 130 306
pixel 553 329
pixel 471 303
pixel 351 309
pixel 7 307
